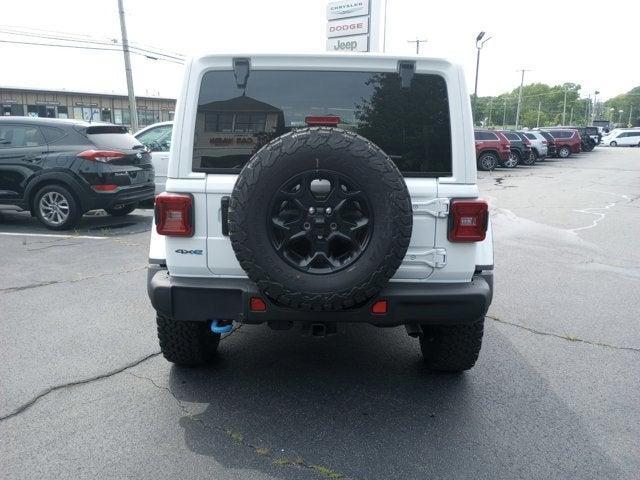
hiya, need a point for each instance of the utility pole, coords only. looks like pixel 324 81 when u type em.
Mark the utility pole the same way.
pixel 133 109
pixel 571 117
pixel 538 120
pixel 520 97
pixel 417 42
pixel 504 115
pixel 586 111
pixel 491 109
pixel 630 113
pixel 564 107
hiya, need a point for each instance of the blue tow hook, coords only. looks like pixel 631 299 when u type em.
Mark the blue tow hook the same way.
pixel 218 326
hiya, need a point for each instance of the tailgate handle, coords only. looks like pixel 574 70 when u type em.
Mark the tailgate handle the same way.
pixel 224 209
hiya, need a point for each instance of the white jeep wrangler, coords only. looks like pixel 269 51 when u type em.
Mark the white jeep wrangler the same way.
pixel 318 190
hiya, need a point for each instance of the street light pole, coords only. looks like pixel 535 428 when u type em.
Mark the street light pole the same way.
pixel 479 45
pixel 520 97
pixel 538 121
pixel 133 109
pixel 630 112
pixel 594 112
pixel 620 112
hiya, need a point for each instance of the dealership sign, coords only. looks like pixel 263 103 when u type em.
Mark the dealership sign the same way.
pixel 356 43
pixel 347 8
pixel 349 26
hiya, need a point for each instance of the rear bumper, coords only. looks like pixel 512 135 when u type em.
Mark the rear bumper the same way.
pixel 205 299
pixel 129 194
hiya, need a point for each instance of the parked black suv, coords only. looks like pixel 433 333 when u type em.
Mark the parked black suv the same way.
pixel 519 149
pixel 60 169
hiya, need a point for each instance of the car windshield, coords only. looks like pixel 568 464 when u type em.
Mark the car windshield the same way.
pixel 409 122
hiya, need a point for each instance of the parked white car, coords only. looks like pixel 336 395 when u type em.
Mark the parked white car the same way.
pixel 623 138
pixel 539 144
pixel 157 138
pixel 317 190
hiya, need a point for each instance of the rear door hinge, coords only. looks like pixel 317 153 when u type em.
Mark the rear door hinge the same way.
pixel 437 207
pixel 435 257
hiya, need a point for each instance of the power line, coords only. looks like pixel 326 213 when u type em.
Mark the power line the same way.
pixel 88 40
pixel 82 47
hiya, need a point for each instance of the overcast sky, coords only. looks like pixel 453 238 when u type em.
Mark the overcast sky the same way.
pixel 584 42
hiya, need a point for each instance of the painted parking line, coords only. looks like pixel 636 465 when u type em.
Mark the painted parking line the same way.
pixel 51 235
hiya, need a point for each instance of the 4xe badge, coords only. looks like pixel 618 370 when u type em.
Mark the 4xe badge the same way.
pixel 188 252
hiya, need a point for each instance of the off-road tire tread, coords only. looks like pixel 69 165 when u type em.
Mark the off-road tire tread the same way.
pixel 451 348
pixel 315 137
pixel 186 343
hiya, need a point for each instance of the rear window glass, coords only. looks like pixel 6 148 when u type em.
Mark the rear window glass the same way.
pixel 530 136
pixel 511 136
pixel 410 124
pixel 112 136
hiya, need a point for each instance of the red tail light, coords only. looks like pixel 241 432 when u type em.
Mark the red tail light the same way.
pixel 103 156
pixel 468 220
pixel 256 304
pixel 109 187
pixel 174 214
pixel 322 121
pixel 380 307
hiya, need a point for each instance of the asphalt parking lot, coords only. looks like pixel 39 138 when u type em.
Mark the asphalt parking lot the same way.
pixel 554 394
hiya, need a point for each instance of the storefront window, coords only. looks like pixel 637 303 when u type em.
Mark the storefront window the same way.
pixel 63 112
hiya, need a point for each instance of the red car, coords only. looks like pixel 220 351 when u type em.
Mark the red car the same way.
pixel 492 149
pixel 567 142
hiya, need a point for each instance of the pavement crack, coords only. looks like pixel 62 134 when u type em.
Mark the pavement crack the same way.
pixel 72 280
pixel 563 337
pixel 101 376
pixel 160 387
pixel 84 381
pixel 54 245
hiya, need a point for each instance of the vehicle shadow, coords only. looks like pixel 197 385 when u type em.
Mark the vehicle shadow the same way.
pixel 92 223
pixel 362 405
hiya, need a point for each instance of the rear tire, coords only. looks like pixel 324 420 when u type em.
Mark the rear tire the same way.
pixel 613 144
pixel 513 161
pixel 487 162
pixel 186 343
pixel 122 209
pixel 531 159
pixel 451 348
pixel 564 152
pixel 56 207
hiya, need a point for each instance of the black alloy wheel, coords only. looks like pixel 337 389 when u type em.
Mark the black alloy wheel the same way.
pixel 320 221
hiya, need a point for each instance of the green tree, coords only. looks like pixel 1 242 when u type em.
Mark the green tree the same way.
pixel 629 103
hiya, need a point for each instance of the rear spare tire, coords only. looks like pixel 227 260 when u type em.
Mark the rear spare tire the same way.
pixel 320 219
